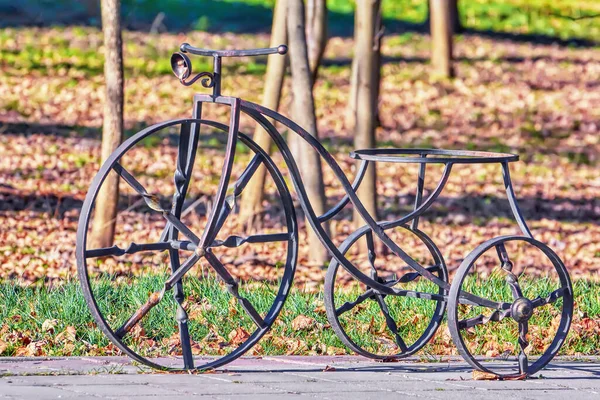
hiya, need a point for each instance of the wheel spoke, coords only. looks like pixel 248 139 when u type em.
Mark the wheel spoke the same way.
pixel 181 315
pixel 551 298
pixel 347 306
pixel 389 321
pixel 523 343
pixel 507 266
pixel 237 241
pixel 180 271
pixel 474 300
pixel 181 227
pixel 371 254
pixel 233 288
pixel 152 301
pixel 417 295
pixel 151 200
pixel 482 319
pixel 188 142
pixel 411 276
pixel 139 247
pixel 230 201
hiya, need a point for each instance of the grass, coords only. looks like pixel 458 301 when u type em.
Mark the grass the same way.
pixel 40 316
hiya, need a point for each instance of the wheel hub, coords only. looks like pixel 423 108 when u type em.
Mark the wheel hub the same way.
pixel 522 309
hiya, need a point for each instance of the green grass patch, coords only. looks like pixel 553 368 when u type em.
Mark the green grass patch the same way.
pixel 43 318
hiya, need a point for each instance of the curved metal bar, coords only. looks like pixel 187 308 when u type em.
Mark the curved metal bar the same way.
pixel 512 200
pixel 207 82
pixel 360 174
pixel 258 113
pixel 232 136
pixel 424 205
pixel 419 193
pixel 305 204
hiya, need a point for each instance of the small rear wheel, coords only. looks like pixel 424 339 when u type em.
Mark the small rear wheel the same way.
pixel 510 306
pixel 379 326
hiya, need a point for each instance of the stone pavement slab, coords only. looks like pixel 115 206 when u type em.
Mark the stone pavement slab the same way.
pixel 266 378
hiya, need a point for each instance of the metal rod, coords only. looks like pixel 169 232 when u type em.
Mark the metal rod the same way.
pixel 512 200
pixel 419 195
pixel 216 76
pixel 211 227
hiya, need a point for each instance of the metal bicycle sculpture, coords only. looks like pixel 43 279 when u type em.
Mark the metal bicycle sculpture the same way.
pixel 473 311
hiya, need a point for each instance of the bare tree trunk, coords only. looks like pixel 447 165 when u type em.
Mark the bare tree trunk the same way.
pixel 103 229
pixel 367 39
pixel 455 25
pixel 316 40
pixel 441 38
pixel 253 195
pixel 351 107
pixel 304 114
pixel 316 33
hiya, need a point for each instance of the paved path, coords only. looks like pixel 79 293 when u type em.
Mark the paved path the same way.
pixel 288 377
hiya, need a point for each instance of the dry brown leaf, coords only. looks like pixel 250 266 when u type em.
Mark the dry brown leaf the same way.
pixel 49 324
pixel 238 336
pixel 68 335
pixel 328 369
pixel 302 322
pixel 484 376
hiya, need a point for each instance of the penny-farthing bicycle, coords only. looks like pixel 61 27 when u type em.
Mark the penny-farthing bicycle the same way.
pixel 155 321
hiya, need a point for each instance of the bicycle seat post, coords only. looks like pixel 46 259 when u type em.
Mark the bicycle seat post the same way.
pixel 216 76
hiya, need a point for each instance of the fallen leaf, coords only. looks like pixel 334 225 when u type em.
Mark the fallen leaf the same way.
pixel 328 369
pixel 68 335
pixel 238 336
pixel 302 322
pixel 484 376
pixel 49 324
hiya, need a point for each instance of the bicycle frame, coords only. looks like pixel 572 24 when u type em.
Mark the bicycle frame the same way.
pixel 259 113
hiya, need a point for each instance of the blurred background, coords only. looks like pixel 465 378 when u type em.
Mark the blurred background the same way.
pixel 519 76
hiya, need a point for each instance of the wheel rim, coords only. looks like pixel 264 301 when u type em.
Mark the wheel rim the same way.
pixel 394 304
pixel 269 309
pixel 549 295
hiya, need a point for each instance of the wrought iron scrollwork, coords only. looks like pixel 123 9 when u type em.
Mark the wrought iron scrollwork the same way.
pixel 207 82
pixel 182 68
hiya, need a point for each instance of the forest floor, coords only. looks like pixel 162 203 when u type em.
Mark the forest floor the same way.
pixel 540 101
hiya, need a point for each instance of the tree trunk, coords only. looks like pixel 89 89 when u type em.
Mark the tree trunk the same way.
pixel 367 39
pixel 441 38
pixel 252 196
pixel 103 228
pixel 316 33
pixel 455 25
pixel 350 119
pixel 304 114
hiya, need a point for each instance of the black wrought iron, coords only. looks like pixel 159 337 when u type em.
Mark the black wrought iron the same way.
pixel 376 288
pixel 521 310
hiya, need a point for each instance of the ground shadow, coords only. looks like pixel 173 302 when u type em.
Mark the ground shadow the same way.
pixel 478 209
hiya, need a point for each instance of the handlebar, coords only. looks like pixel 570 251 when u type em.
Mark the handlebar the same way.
pixel 188 48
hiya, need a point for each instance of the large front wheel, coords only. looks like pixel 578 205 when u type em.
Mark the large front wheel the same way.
pixel 183 286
